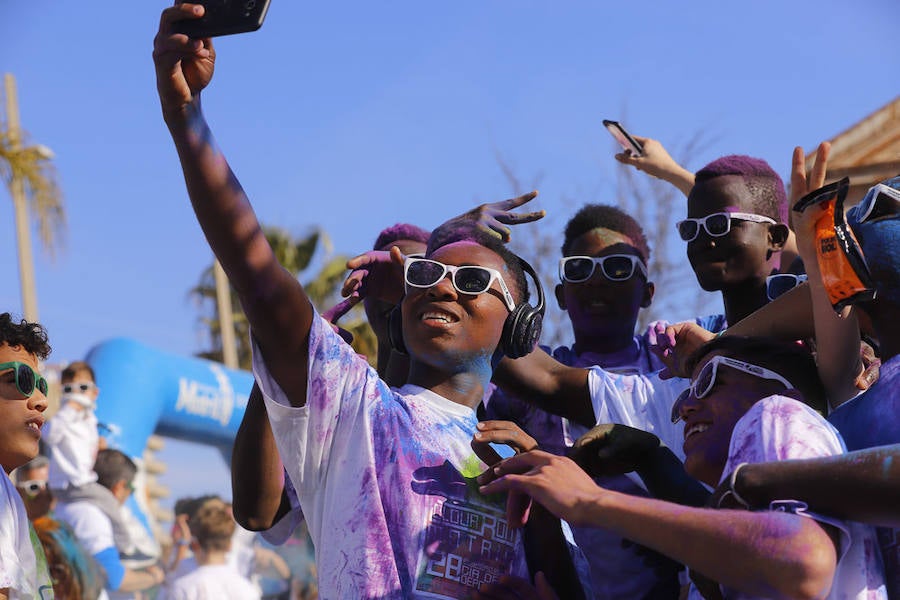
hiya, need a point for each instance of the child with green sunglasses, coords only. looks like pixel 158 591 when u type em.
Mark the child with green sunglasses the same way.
pixel 23 565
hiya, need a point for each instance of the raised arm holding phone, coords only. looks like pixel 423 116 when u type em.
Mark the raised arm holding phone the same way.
pixel 378 471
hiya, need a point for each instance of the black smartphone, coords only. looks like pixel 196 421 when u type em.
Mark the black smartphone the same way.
pixel 224 17
pixel 625 140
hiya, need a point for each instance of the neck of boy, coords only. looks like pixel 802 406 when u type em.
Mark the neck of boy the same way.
pixel 211 557
pixel 614 342
pixel 744 299
pixel 465 387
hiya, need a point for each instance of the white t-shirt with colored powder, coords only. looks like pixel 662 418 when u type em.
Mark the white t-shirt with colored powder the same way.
pixel 386 481
pixel 23 566
pixel 780 428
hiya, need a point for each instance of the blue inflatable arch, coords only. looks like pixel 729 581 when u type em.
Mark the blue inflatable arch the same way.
pixel 145 391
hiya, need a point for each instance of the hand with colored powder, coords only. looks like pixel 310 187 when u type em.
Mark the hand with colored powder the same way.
pixel 496 217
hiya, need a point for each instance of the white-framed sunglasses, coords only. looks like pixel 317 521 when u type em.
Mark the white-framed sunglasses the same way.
pixel 32 487
pixel 69 388
pixel 781 283
pixel 716 224
pixel 467 279
pixel 703 384
pixel 615 267
pixel 881 201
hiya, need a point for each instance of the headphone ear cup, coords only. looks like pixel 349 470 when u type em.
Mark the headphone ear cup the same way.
pixel 395 330
pixel 521 331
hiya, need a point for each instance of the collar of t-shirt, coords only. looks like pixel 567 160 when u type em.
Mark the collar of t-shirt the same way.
pixel 443 403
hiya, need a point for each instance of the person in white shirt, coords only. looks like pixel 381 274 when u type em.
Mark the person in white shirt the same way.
pixel 71 435
pixel 23 400
pixel 212 528
pixel 93 525
pixel 742 407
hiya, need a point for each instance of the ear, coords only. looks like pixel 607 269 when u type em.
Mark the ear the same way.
pixel 649 290
pixel 119 487
pixel 778 235
pixel 560 297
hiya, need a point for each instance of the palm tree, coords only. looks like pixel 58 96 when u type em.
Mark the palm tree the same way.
pixel 296 255
pixel 32 182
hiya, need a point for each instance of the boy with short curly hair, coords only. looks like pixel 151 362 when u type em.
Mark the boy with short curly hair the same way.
pixel 23 400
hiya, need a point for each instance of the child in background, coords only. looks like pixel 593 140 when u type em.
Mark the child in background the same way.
pixel 211 528
pixel 71 435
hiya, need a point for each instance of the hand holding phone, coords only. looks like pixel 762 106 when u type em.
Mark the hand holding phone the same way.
pixel 623 137
pixel 224 17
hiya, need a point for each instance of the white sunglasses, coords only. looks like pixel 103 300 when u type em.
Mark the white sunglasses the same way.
pixel 467 279
pixel 615 267
pixel 866 208
pixel 703 384
pixel 716 224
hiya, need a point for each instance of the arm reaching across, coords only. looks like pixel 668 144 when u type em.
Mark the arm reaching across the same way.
pixel 614 449
pixel 542 380
pixel 860 486
pixel 769 554
pixel 275 303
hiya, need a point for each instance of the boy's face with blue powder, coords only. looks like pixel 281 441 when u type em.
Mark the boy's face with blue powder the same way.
pixel 452 331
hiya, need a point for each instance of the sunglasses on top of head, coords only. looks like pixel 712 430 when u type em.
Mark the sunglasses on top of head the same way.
pixel 615 267
pixel 467 279
pixel 27 379
pixel 716 224
pixel 703 384
pixel 880 202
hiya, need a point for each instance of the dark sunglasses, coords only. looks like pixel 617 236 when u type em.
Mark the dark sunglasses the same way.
pixel 68 388
pixel 615 267
pixel 27 379
pixel 781 283
pixel 468 279
pixel 716 224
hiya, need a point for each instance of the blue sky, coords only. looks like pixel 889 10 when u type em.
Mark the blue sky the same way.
pixel 352 115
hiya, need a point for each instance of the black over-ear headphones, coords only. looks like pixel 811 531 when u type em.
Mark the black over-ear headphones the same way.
pixel 521 329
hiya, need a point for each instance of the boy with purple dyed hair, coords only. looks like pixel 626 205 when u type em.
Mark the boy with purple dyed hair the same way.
pixel 735 231
pixel 736 227
pixel 764 185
